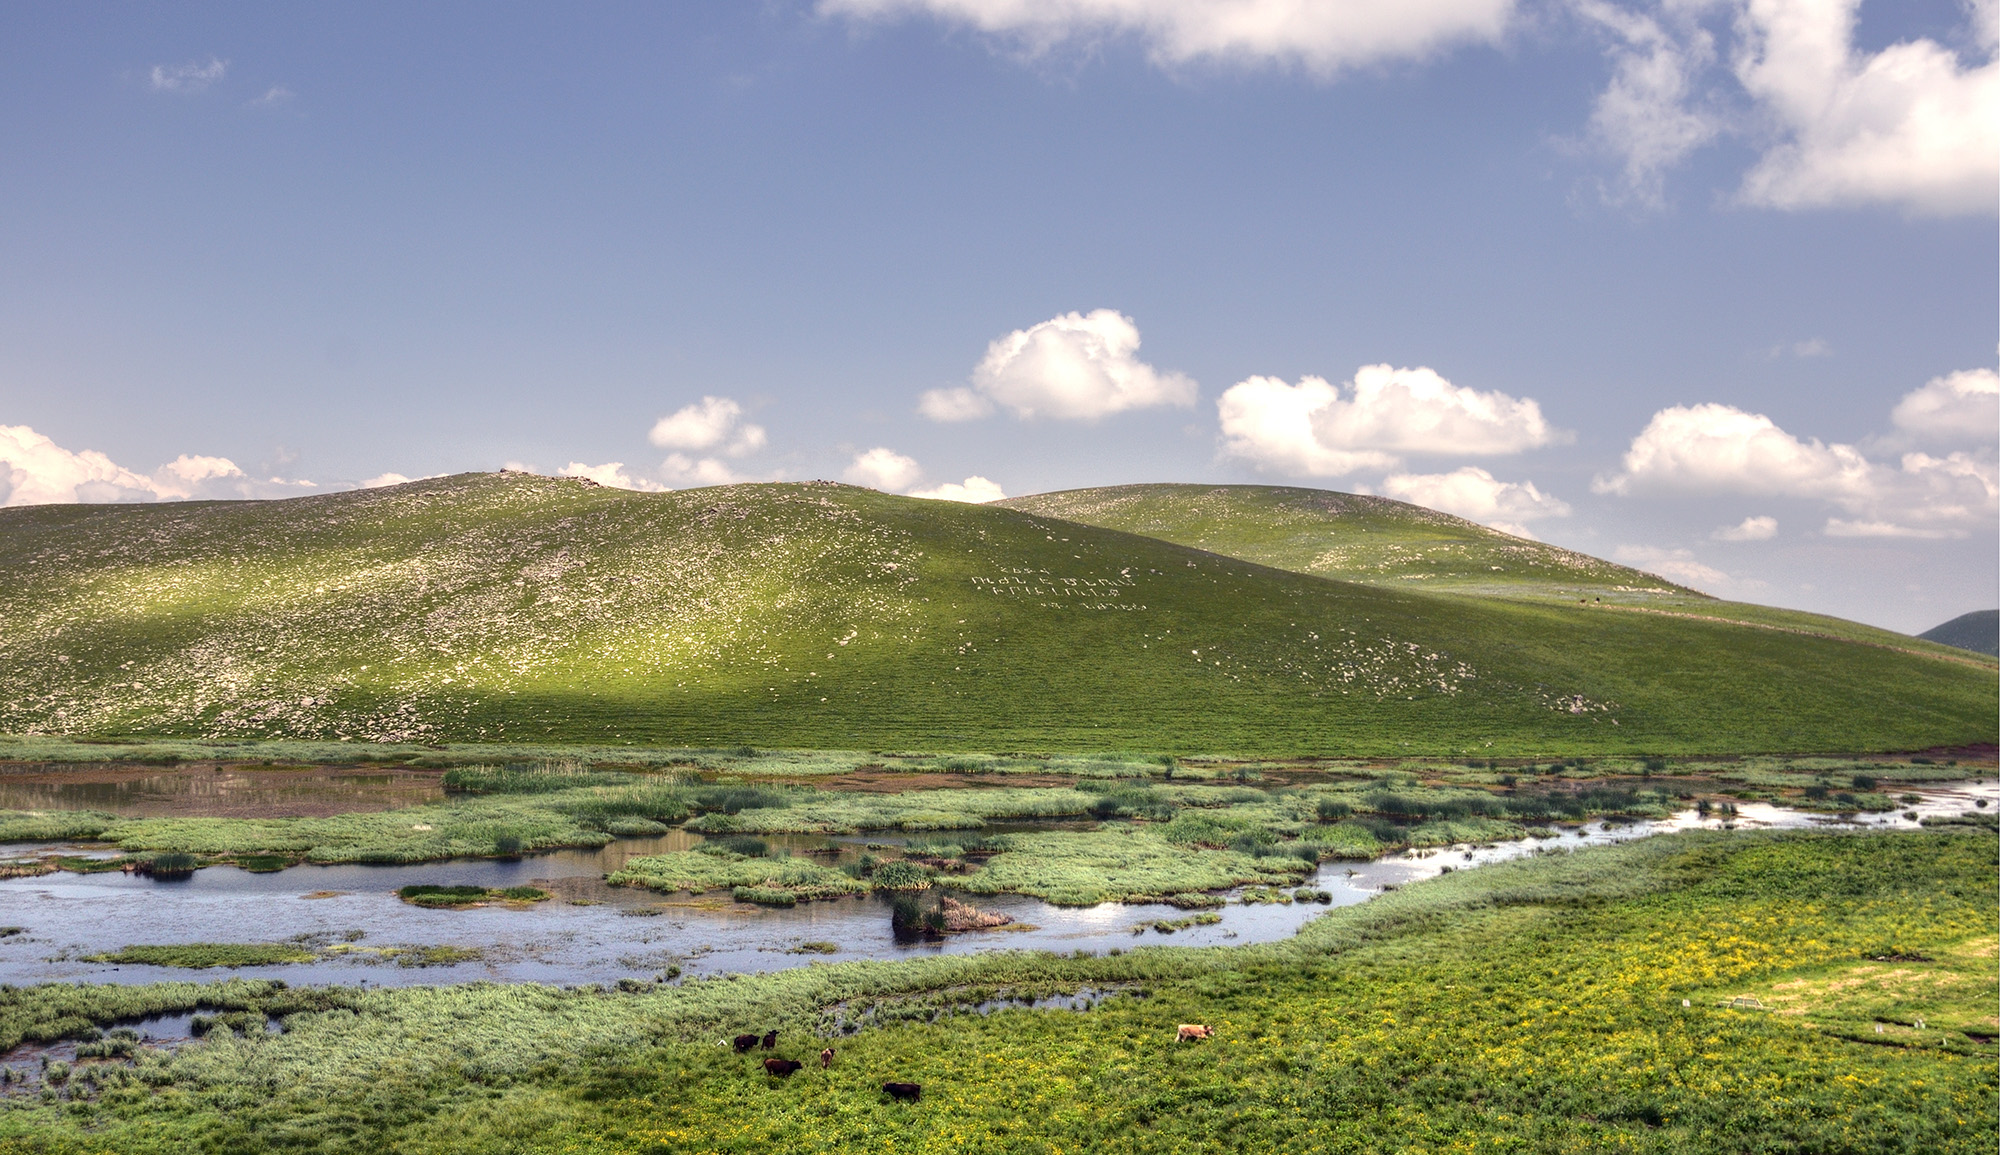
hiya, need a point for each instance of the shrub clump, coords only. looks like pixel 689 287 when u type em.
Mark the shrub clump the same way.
pixel 902 875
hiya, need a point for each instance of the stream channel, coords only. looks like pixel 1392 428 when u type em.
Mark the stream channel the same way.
pixel 589 932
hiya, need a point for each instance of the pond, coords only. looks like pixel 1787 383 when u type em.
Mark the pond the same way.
pixel 589 932
pixel 215 790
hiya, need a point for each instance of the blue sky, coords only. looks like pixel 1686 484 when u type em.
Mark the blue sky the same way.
pixel 1672 268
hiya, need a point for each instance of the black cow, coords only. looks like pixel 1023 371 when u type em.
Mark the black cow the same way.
pixel 770 1040
pixel 907 1092
pixel 782 1068
pixel 744 1043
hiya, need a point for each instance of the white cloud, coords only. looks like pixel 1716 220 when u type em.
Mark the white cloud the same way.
pixel 1270 423
pixel 1075 367
pixel 959 404
pixel 612 474
pixel 1721 449
pixel 1914 126
pixel 34 470
pixel 1803 350
pixel 192 77
pixel 1842 527
pixel 976 490
pixel 1644 114
pixel 1322 36
pixel 883 468
pixel 275 96
pixel 1750 529
pixel 713 423
pixel 681 469
pixel 1911 125
pixel 384 480
pixel 1961 407
pixel 1676 565
pixel 1316 429
pixel 1477 495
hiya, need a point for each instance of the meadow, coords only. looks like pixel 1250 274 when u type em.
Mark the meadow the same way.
pixel 1784 992
pixel 493 609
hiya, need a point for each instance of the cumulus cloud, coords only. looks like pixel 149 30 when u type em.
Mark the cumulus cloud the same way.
pixel 1961 408
pixel 1074 367
pixel 191 77
pixel 1715 448
pixel 1322 36
pixel 883 468
pixel 956 404
pixel 1912 125
pixel 713 424
pixel 1749 529
pixel 1477 495
pixel 1676 565
pixel 1915 126
pixel 975 490
pixel 34 470
pixel 681 469
pixel 612 474
pixel 384 480
pixel 1316 429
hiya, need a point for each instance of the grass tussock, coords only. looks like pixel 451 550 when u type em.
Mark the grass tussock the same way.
pixel 203 955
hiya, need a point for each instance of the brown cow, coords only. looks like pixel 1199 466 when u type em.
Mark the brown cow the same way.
pixel 907 1092
pixel 744 1043
pixel 770 1040
pixel 826 1058
pixel 1193 1031
pixel 782 1068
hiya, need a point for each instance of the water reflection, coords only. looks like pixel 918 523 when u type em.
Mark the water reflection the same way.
pixel 215 791
pixel 591 932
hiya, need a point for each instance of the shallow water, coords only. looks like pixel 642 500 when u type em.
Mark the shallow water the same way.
pixel 215 791
pixel 628 933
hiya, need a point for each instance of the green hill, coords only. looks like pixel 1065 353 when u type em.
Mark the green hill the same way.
pixel 1978 631
pixel 529 609
pixel 1377 541
pixel 1350 536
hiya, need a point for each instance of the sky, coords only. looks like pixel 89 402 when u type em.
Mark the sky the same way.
pixel 1706 286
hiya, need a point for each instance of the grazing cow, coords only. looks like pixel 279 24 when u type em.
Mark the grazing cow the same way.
pixel 1193 1031
pixel 907 1092
pixel 782 1068
pixel 770 1040
pixel 826 1058
pixel 744 1043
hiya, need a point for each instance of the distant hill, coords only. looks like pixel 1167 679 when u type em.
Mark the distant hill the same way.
pixel 1349 536
pixel 1978 631
pixel 1378 541
pixel 521 608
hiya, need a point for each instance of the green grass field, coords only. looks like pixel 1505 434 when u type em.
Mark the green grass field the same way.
pixel 1566 1002
pixel 519 609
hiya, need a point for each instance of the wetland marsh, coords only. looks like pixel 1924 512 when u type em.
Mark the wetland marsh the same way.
pixel 1197 844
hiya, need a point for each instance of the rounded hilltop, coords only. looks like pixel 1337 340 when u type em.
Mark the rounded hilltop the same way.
pixel 511 607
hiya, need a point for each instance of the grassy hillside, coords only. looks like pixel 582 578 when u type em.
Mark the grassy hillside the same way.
pixel 526 609
pixel 1978 631
pixel 1377 541
pixel 1350 536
